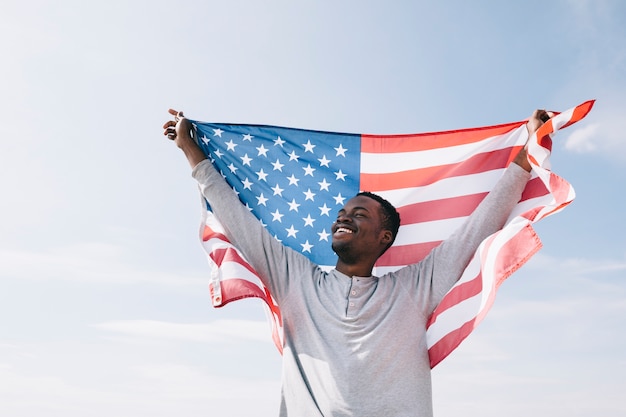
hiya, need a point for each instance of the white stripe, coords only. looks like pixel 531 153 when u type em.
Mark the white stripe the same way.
pixel 427 231
pixel 446 188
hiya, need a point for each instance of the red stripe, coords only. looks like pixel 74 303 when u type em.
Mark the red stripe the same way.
pixel 445 208
pixel 534 188
pixel 229 255
pixel 434 140
pixel 236 288
pixel 580 111
pixel 444 346
pixel 406 254
pixel 424 176
pixel 209 233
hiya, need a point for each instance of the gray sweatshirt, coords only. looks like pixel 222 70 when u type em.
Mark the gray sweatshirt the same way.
pixel 356 346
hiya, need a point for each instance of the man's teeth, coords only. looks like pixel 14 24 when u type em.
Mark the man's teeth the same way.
pixel 344 230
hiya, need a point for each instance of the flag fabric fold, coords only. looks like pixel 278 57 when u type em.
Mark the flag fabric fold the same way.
pixel 295 181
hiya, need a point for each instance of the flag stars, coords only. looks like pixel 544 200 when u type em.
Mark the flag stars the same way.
pixel 324 185
pixel 278 190
pixel 308 170
pixel 308 146
pixel 279 142
pixel 341 151
pixel 292 232
pixel 293 180
pixel 293 156
pixel 293 206
pixel 262 200
pixel 247 184
pixel 262 150
pixel 324 162
pixel 247 137
pixel 339 199
pixel 277 216
pixel 230 145
pixel 232 168
pixel 308 220
pixel 340 175
pixel 261 175
pixel 205 139
pixel 218 132
pixel 306 246
pixel 309 195
pixel 277 165
pixel 245 160
pixel 323 235
pixel 324 210
pixel 218 153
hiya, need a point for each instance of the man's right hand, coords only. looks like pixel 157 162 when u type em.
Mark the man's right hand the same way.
pixel 179 130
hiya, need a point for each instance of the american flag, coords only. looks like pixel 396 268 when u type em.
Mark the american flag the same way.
pixel 295 181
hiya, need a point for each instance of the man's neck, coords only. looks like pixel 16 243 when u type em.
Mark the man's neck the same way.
pixel 354 270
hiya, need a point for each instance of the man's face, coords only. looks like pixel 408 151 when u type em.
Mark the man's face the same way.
pixel 358 229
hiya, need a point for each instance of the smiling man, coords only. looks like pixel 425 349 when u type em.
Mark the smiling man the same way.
pixel 354 344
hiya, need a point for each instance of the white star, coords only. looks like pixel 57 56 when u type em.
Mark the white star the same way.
pixel 218 153
pixel 230 145
pixel 248 207
pixel 246 159
pixel 218 132
pixel 232 168
pixel 278 190
pixel 277 239
pixel 262 175
pixel 308 220
pixel 324 185
pixel 279 142
pixel 205 139
pixel 248 137
pixel 339 199
pixel 323 235
pixel 341 150
pixel 293 180
pixel 306 246
pixel 309 195
pixel 261 200
pixel 293 156
pixel 292 232
pixel 308 146
pixel 277 216
pixel 262 151
pixel 293 206
pixel 324 162
pixel 278 166
pixel 325 210
pixel 340 176
pixel 308 170
pixel 247 184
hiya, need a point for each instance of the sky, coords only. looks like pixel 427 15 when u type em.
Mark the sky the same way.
pixel 104 305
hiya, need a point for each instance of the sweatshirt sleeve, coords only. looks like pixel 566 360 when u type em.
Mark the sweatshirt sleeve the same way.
pixel 443 267
pixel 271 260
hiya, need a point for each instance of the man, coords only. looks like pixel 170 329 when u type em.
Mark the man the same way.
pixel 354 344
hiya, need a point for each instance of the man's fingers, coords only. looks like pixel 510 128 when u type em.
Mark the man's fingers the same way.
pixel 169 123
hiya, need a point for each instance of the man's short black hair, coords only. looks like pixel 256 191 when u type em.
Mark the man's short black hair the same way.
pixel 390 216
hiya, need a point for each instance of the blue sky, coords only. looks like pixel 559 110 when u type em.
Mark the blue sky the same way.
pixel 104 307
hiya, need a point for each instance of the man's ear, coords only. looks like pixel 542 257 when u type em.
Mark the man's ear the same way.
pixel 387 237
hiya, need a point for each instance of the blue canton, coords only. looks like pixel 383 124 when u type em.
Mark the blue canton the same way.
pixel 294 181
